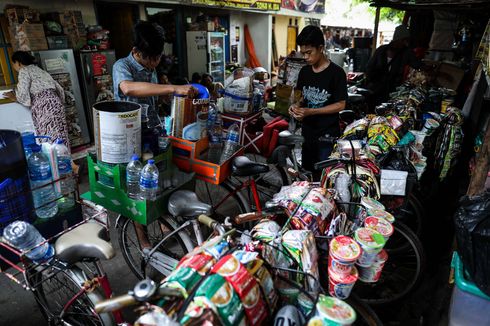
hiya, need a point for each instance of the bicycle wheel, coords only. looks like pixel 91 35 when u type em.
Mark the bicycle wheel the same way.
pixel 56 287
pixel 401 273
pixel 412 215
pixel 270 183
pixel 167 255
pixel 365 315
pixel 222 198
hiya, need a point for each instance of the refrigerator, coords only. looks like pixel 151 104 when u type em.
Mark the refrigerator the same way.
pixel 206 53
pixel 61 65
pixel 96 79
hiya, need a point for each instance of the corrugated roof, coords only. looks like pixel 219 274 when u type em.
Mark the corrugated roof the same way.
pixel 434 4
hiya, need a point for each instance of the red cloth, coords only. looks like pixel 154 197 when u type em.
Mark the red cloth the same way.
pixel 269 143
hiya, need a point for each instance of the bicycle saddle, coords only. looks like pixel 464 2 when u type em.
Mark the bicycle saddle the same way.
pixel 244 167
pixel 288 138
pixel 84 241
pixel 186 203
pixel 355 98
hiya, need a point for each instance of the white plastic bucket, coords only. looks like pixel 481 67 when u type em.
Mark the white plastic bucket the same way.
pixel 117 131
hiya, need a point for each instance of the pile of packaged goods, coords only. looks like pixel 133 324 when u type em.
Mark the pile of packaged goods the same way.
pixel 227 283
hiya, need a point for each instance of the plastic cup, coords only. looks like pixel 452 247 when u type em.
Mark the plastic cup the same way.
pixel 341 286
pixel 372 273
pixel 370 203
pixel 332 311
pixel 379 224
pixel 382 214
pixel 429 126
pixel 202 120
pixel 343 253
pixel 371 242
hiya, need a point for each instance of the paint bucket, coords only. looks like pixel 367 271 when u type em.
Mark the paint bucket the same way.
pixel 341 286
pixel 117 131
pixel 371 242
pixel 343 253
pixel 372 273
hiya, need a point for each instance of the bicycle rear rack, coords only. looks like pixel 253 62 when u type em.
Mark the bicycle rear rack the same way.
pixel 24 272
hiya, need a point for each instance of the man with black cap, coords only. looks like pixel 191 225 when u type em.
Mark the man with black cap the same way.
pixel 386 68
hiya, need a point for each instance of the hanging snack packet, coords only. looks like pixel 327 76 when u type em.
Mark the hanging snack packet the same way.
pixel 301 246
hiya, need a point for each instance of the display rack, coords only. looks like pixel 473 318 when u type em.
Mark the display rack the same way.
pixel 243 121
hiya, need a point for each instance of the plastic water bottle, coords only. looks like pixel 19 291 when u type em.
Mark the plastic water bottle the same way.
pixel 133 173
pixel 212 115
pixel 232 142
pixel 215 140
pixel 24 236
pixel 149 181
pixel 40 175
pixel 67 184
pixel 163 141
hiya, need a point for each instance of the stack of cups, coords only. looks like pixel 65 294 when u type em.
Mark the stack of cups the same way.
pixel 369 204
pixel 342 274
pixel 430 126
pixel 381 214
pixel 371 243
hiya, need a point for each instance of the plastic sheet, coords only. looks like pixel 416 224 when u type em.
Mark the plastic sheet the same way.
pixel 472 223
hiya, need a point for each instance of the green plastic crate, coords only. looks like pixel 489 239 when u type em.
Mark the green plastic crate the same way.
pixel 116 198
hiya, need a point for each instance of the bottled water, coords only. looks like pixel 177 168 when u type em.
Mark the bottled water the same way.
pixel 67 184
pixel 215 140
pixel 212 115
pixel 149 181
pixel 232 142
pixel 163 141
pixel 133 173
pixel 40 175
pixel 24 236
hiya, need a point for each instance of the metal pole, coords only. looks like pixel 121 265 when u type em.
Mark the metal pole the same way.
pixel 375 34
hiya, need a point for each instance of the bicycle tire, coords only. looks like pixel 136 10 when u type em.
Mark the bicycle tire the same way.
pixel 179 243
pixel 365 314
pixel 55 287
pixel 268 184
pixel 403 269
pixel 213 195
pixel 412 215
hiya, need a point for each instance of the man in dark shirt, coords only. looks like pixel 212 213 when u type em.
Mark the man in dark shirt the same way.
pixel 387 67
pixel 324 89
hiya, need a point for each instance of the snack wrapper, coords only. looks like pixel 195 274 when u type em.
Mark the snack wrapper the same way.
pixel 246 286
pixel 301 246
pixel 217 295
pixel 266 231
pixel 190 270
pixel 290 196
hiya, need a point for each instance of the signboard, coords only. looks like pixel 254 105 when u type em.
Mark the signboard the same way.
pixel 313 6
pixel 243 4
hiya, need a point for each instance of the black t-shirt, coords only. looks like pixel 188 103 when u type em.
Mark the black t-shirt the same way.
pixel 321 89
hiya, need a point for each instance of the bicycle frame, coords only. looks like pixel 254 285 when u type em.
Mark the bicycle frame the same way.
pixel 250 183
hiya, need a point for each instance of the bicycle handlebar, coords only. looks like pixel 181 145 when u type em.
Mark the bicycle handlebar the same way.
pixel 212 224
pixel 126 300
pixel 250 217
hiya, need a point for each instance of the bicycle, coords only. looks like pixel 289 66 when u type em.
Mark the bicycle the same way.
pixel 148 293
pixel 67 287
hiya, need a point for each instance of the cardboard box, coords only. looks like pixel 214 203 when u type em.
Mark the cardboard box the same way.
pixel 19 15
pixel 28 37
pixel 449 75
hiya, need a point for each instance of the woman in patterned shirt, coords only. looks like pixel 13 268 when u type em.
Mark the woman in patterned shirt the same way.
pixel 39 91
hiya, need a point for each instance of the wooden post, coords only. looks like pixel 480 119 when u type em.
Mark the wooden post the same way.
pixel 376 26
pixel 477 182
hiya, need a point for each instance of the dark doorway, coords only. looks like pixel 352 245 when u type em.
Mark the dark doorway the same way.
pixel 119 19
